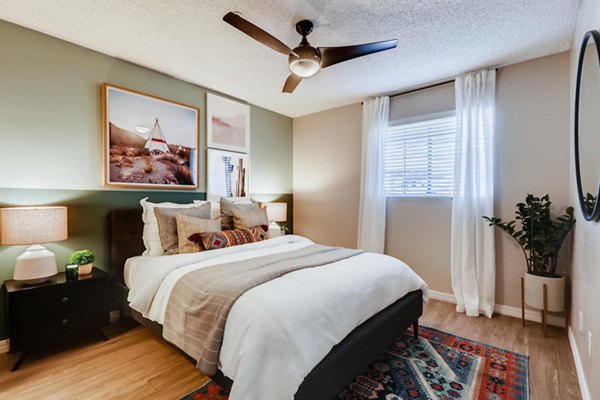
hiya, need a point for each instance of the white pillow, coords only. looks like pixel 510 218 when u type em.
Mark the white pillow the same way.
pixel 151 236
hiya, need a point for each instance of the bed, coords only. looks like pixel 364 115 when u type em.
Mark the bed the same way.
pixel 352 353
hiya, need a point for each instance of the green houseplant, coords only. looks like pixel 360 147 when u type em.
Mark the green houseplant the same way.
pixel 83 258
pixel 540 236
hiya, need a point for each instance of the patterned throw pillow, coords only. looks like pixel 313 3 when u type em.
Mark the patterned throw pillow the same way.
pixel 233 237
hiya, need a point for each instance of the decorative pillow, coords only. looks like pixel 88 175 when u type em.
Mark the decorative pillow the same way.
pixel 151 236
pixel 167 224
pixel 215 208
pixel 232 237
pixel 187 226
pixel 249 217
pixel 226 205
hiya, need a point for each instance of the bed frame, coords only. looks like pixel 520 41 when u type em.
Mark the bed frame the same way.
pixel 346 360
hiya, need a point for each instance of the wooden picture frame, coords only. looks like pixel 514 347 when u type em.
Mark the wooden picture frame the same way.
pixel 227 124
pixel 148 141
pixel 224 178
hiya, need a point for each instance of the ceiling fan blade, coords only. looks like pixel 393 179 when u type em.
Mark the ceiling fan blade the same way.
pixel 256 33
pixel 291 83
pixel 334 55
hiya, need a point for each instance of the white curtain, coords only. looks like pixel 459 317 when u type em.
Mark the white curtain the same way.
pixel 472 245
pixel 371 214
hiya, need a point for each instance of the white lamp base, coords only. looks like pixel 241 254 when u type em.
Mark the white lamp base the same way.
pixel 36 265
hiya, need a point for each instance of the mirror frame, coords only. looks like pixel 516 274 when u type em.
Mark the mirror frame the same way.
pixel 595 214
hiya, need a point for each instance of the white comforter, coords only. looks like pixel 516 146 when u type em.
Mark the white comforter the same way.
pixel 278 332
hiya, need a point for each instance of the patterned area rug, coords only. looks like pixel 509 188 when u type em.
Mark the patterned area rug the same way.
pixel 438 365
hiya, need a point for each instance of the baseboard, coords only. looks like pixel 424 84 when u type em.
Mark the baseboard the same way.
pixel 583 387
pixel 441 296
pixel 530 315
pixel 4 346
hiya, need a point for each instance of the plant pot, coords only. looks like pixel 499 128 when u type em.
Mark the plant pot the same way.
pixel 534 292
pixel 85 269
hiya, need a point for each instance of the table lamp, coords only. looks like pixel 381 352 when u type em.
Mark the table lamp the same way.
pixel 276 212
pixel 32 226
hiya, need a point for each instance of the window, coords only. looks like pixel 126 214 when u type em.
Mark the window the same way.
pixel 418 157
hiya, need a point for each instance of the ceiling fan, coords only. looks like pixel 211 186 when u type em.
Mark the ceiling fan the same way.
pixel 305 60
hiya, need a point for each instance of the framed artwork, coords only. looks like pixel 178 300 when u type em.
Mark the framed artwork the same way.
pixel 148 142
pixel 227 174
pixel 227 124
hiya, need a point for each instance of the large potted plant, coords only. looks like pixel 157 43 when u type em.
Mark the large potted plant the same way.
pixel 540 236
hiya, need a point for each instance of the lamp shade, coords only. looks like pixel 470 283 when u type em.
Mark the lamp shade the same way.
pixel 32 225
pixel 277 211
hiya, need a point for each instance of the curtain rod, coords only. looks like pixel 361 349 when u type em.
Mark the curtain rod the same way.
pixel 430 86
pixel 422 88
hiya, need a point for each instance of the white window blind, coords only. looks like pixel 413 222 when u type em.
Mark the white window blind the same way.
pixel 418 158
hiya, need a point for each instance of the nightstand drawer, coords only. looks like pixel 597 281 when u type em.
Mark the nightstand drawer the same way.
pixel 41 306
pixel 54 330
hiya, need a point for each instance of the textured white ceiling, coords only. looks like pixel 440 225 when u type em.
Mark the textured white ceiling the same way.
pixel 438 39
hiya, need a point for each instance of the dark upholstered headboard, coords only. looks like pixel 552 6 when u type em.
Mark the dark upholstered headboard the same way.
pixel 126 227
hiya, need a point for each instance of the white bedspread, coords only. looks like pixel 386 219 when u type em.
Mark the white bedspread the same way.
pixel 278 332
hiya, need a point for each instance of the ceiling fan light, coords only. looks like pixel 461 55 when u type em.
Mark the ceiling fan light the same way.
pixel 305 68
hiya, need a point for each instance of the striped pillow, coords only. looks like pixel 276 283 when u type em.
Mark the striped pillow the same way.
pixel 233 237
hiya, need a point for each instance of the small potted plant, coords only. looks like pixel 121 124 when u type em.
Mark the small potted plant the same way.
pixel 83 258
pixel 540 237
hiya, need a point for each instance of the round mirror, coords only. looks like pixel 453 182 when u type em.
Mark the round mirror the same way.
pixel 587 126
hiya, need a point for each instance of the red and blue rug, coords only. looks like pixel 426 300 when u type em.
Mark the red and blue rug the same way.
pixel 437 365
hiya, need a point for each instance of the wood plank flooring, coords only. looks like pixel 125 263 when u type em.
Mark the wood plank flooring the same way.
pixel 135 365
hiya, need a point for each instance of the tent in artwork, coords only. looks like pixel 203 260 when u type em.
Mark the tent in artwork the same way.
pixel 156 142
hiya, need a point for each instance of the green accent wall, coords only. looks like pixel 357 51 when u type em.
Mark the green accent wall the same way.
pixel 50 108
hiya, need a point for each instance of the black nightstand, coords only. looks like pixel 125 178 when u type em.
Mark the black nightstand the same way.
pixel 51 312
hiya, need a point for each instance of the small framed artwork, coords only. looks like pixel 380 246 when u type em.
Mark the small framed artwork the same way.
pixel 227 174
pixel 228 124
pixel 148 142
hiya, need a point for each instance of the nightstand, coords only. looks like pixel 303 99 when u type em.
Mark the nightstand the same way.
pixel 48 313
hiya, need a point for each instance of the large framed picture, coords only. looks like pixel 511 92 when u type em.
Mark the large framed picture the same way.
pixel 227 174
pixel 227 124
pixel 148 142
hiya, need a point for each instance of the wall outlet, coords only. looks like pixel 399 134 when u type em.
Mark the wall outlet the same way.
pixel 589 336
pixel 580 321
pixel 114 315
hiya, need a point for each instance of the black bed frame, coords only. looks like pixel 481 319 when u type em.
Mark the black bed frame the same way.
pixel 348 358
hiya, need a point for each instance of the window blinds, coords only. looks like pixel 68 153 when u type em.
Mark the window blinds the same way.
pixel 418 159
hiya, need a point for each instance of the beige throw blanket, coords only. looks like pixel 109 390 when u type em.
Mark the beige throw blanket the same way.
pixel 200 301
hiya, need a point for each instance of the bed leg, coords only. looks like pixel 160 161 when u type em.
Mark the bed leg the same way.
pixel 416 329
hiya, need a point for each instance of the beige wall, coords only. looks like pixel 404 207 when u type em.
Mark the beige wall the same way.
pixel 532 150
pixel 327 148
pixel 585 270
pixel 532 108
pixel 418 232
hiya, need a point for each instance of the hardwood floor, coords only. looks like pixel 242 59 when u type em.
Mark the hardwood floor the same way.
pixel 135 365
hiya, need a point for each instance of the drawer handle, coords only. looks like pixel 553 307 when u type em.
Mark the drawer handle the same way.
pixel 65 321
pixel 65 299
